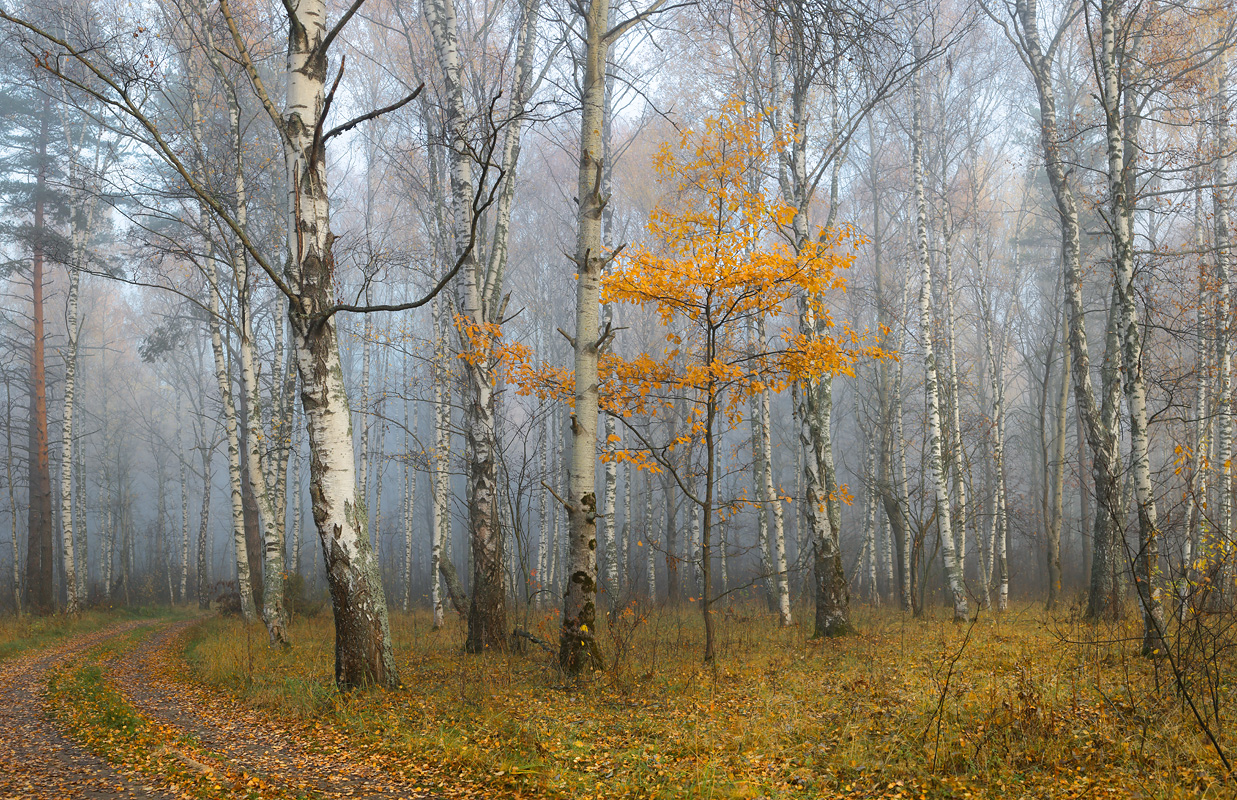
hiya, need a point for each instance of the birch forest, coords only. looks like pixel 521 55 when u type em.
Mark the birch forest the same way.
pixel 617 398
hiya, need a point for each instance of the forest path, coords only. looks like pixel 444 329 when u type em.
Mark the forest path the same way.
pixel 36 759
pixel 289 759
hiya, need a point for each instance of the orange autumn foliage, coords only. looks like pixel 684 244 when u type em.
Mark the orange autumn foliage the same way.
pixel 719 259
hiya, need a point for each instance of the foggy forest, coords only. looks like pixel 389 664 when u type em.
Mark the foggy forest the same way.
pixel 617 398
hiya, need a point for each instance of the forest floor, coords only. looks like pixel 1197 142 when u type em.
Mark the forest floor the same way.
pixel 1021 706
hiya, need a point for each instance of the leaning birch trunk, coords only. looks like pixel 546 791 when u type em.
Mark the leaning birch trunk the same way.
pixel 234 451
pixel 487 611
pixel 578 647
pixel 1118 126
pixel 1103 600
pixel 363 651
pixel 893 471
pixel 224 383
pixel 936 464
pixel 274 615
pixel 608 523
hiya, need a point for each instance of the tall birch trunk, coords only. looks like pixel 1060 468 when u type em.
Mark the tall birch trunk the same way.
pixel 1196 501
pixel 295 497
pixel 439 513
pixel 363 651
pixel 869 525
pixel 274 615
pixel 1221 208
pixel 578 647
pixel 774 503
pixel 1058 488
pixel 958 456
pixel 650 557
pixel 997 549
pixel 81 530
pixel 1098 421
pixel 11 480
pixel 936 463
pixel 1120 126
pixel 543 508
pixel 81 232
pixel 608 523
pixel 40 527
pixel 208 452
pixel 233 437
pixel 410 491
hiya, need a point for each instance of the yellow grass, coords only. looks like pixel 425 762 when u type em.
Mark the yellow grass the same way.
pixel 20 633
pixel 1028 707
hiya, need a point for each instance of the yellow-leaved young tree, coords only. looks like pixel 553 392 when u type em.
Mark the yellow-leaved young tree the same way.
pixel 718 259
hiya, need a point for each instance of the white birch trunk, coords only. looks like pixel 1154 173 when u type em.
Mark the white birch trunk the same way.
pixel 73 602
pixel 543 545
pixel 410 495
pixel 650 557
pixel 203 582
pixel 869 526
pixel 274 615
pixel 15 540
pixel 578 648
pixel 1099 422
pixel 363 408
pixel 1221 202
pixel 363 651
pixel 184 513
pixel 957 458
pixel 1118 127
pixel 935 458
pixel 439 514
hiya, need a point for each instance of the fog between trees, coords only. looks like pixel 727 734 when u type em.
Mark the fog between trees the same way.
pixel 318 299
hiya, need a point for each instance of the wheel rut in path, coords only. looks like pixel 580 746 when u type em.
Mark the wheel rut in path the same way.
pixel 242 737
pixel 38 762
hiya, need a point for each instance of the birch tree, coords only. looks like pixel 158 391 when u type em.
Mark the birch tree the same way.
pixel 936 465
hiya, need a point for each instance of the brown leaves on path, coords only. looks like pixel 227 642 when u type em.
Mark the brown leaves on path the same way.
pixel 36 761
pixel 150 678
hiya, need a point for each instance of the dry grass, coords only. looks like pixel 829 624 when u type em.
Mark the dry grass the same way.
pixel 24 632
pixel 1021 706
